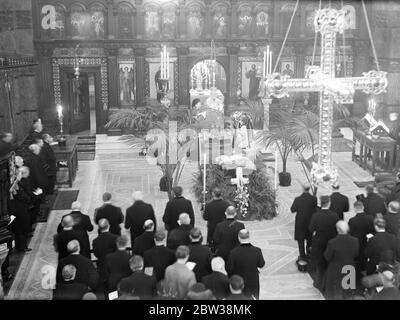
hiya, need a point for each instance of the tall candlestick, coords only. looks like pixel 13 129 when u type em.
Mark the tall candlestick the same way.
pixel 276 170
pixel 270 62
pixel 265 64
pixel 204 176
pixel 167 65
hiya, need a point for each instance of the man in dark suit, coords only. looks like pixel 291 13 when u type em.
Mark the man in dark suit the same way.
pixel 103 245
pixel 395 193
pixel 140 284
pixel 180 236
pixel 339 202
pixel 323 228
pixel 159 257
pixel 304 206
pixel 68 289
pixel 6 145
pixel 245 261
pixel 373 203
pixel 382 247
pixel 49 159
pixel 117 264
pixel 110 212
pixel 36 131
pixel 146 240
pixel 214 213
pixel 392 218
pixel 85 271
pixel 199 254
pixel 36 166
pixel 137 214
pixel 236 287
pixel 175 207
pixel 226 233
pixel 341 251
pixel 82 224
pixel 361 225
pixel 62 239
pixel 217 281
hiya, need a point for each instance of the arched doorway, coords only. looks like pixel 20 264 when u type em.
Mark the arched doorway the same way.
pixel 204 76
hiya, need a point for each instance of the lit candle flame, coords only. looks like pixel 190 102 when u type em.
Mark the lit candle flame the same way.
pixel 59 111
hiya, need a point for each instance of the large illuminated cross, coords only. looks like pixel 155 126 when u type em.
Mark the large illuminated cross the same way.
pixel 322 79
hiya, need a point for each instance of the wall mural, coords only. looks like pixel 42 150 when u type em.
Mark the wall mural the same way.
pixel 152 23
pixel 127 86
pixel 87 25
pixel 169 23
pixel 287 67
pixel 245 20
pixel 220 22
pixel 153 81
pixel 195 23
pixel 262 24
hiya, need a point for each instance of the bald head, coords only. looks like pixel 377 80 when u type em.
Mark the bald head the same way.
pixel 68 272
pixel 230 212
pixel 394 207
pixel 104 225
pixel 73 247
pixel 342 227
pixel 218 265
pixel 34 148
pixel 68 221
pixel 137 196
pixel 184 219
pixel 305 186
pixel 76 206
pixel 369 188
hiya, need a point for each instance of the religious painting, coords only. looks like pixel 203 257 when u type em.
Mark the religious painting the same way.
pixel 87 25
pixel 155 83
pixel 220 25
pixel 245 20
pixel 169 22
pixel 350 17
pixel 80 25
pixel 58 30
pixel 287 68
pixel 310 16
pixel 262 24
pixel 195 23
pixel 126 83
pixel 251 72
pixel 125 21
pixel 152 25
pixel 97 23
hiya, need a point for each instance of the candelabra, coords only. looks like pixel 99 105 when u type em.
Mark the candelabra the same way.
pixel 61 140
pixel 164 78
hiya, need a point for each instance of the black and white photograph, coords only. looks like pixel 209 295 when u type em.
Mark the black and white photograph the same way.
pixel 192 154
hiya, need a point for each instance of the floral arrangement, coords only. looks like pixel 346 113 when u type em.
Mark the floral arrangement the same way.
pixel 242 200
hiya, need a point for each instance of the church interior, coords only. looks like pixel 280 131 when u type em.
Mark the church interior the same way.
pixel 250 102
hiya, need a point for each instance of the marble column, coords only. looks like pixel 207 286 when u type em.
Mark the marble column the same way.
pixel 140 73
pixel 111 19
pixel 183 76
pixel 233 74
pixel 300 50
pixel 112 69
pixel 45 83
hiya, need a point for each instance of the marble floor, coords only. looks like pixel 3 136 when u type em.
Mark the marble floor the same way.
pixel 119 170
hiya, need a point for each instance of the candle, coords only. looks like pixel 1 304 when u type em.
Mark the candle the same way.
pixel 204 176
pixel 59 111
pixel 270 62
pixel 276 170
pixel 167 65
pixel 265 64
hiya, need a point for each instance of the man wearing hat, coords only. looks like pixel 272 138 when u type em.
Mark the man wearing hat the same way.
pixel 199 254
pixel 245 261
pixel 146 240
pixel 323 228
pixel 304 206
pixel 339 202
